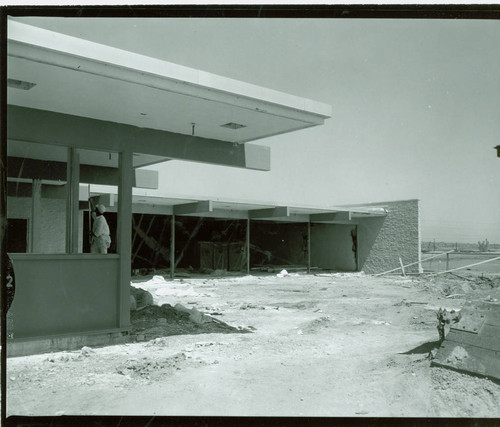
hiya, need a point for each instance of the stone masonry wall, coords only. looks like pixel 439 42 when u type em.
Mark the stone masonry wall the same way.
pixel 382 241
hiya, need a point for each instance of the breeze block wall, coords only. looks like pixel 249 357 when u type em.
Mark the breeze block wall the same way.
pixel 381 241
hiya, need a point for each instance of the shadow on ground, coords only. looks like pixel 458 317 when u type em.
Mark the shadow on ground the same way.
pixel 424 348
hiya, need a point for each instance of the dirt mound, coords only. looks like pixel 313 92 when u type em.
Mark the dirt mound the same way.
pixel 156 321
pixel 315 325
pixel 147 368
pixel 486 282
pixel 457 394
pixel 140 297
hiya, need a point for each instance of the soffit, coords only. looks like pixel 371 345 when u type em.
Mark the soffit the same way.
pixel 78 77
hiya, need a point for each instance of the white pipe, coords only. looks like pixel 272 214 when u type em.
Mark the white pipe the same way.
pixel 466 266
pixel 413 263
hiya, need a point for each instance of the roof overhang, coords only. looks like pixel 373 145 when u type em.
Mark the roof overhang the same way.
pixel 241 209
pixel 86 79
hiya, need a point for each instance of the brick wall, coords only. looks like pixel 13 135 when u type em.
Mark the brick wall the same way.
pixel 382 241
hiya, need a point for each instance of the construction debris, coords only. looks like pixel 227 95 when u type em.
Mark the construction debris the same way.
pixel 309 341
pixel 473 343
pixel 139 298
pixel 161 321
pixel 445 319
pixel 282 273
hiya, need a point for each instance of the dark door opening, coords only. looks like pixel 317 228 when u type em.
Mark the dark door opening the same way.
pixel 17 235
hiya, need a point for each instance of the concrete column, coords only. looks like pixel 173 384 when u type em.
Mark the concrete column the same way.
pixel 247 246
pixel 36 214
pixel 172 247
pixel 308 247
pixel 72 200
pixel 124 236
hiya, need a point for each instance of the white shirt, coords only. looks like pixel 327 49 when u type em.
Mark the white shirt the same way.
pixel 101 228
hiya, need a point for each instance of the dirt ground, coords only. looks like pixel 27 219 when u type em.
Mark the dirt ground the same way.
pixel 299 345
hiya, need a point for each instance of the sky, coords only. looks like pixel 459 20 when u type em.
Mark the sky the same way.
pixel 415 110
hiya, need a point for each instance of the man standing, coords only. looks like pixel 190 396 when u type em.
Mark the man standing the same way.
pixel 100 232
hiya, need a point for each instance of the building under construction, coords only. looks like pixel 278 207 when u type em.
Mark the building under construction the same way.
pixel 83 116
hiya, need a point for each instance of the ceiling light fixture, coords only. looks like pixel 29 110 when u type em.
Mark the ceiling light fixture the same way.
pixel 19 84
pixel 232 125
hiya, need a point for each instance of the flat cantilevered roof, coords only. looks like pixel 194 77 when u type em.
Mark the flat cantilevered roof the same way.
pixel 242 209
pixel 64 74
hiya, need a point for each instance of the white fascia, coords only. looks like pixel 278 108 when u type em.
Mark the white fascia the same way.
pixel 56 49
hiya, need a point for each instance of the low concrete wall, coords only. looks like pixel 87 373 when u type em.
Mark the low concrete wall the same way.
pixel 331 247
pixel 60 294
pixel 381 241
pixel 29 346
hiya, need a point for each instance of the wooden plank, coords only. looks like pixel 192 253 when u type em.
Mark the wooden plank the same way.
pixel 236 256
pixel 490 330
pixel 470 359
pixel 402 267
pixel 481 311
pixel 491 342
pixel 220 256
pixel 158 249
pixel 190 239
pixel 144 236
pixel 206 255
pixel 493 318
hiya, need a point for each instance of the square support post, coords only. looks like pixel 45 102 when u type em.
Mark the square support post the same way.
pixel 308 247
pixel 172 247
pixel 124 236
pixel 247 246
pixel 36 213
pixel 72 200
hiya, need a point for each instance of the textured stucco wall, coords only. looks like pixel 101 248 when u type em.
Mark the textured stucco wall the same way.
pixel 52 221
pixel 382 241
pixel 331 247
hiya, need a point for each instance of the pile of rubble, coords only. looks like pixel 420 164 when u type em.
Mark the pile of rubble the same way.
pixel 150 321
